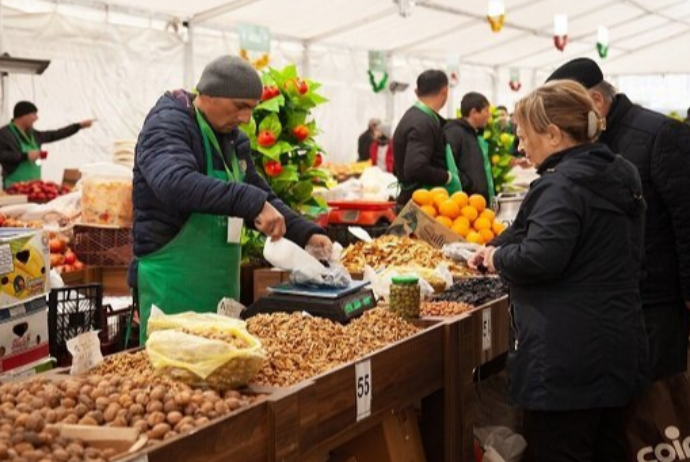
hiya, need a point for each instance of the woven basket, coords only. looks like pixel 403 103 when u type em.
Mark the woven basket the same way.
pixel 103 246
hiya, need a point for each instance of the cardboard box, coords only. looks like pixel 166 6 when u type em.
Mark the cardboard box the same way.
pixel 23 334
pixel 24 266
pixel 70 177
pixel 412 221
pixel 24 372
pixel 267 277
pixel 397 439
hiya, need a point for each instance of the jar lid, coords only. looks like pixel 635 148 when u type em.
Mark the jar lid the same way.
pixel 405 280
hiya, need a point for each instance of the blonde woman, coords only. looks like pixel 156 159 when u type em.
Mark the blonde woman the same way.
pixel 572 260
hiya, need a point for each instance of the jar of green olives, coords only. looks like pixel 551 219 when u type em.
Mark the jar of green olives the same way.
pixel 405 296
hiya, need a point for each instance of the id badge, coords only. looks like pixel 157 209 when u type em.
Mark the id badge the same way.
pixel 234 230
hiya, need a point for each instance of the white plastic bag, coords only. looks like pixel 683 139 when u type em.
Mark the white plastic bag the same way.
pixel 501 444
pixel 460 251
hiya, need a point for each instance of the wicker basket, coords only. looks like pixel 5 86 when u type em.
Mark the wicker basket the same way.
pixel 103 246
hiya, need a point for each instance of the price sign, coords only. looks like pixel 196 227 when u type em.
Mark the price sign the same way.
pixel 486 330
pixel 230 308
pixel 86 352
pixel 363 389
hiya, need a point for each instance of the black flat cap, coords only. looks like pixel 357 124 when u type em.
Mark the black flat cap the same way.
pixel 582 70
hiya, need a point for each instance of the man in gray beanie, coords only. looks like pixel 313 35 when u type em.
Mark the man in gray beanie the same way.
pixel 195 187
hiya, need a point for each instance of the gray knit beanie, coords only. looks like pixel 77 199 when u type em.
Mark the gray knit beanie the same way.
pixel 230 77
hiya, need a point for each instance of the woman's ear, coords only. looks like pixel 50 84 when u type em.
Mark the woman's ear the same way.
pixel 555 135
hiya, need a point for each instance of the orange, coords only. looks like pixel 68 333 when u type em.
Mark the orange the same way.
pixel 487 235
pixel 478 202
pixel 475 238
pixel 439 198
pixel 422 197
pixel 481 223
pixel 429 210
pixel 461 226
pixel 445 221
pixel 488 214
pixel 449 208
pixel 470 213
pixel 460 198
pixel 440 190
pixel 498 228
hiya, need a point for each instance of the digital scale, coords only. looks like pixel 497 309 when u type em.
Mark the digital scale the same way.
pixel 340 305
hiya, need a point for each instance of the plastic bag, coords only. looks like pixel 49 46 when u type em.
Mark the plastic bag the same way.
pixel 306 269
pixel 460 251
pixel 203 349
pixel 501 444
pixel 334 275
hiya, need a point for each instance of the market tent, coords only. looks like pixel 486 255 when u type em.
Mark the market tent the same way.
pixel 113 60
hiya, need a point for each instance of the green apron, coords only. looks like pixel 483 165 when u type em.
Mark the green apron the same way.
pixel 484 146
pixel 26 170
pixel 454 186
pixel 198 268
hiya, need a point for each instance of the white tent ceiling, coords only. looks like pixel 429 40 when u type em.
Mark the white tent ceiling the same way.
pixel 647 36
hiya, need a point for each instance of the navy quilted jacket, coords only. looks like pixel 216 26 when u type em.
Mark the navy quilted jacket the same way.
pixel 170 181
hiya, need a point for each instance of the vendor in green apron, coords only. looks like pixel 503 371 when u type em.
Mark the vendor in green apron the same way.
pixel 20 144
pixel 422 157
pixel 195 188
pixel 470 149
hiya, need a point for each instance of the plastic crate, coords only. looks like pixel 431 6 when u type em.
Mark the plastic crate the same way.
pixel 103 246
pixel 113 336
pixel 72 311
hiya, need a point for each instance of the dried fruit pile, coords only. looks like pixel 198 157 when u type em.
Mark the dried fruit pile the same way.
pixel 441 308
pixel 387 251
pixel 300 347
pixel 474 291
pixel 155 406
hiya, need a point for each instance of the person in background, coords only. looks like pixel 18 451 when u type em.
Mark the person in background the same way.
pixel 659 147
pixel 382 150
pixel 195 187
pixel 421 156
pixel 366 138
pixel 20 144
pixel 470 150
pixel 572 260
pixel 504 120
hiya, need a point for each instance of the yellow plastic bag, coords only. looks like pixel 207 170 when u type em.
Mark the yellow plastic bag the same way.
pixel 204 349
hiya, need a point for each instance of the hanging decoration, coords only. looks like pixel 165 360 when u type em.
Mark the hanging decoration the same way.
pixel 496 15
pixel 255 45
pixel 377 66
pixel 381 84
pixel 515 83
pixel 454 79
pixel 603 42
pixel 560 31
pixel 453 69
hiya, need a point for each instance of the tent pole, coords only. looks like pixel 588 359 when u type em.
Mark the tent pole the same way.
pixel 4 77
pixel 306 59
pixel 494 86
pixel 189 58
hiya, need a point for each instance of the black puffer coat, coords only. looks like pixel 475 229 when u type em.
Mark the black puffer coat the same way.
pixel 469 158
pixel 572 260
pixel 660 149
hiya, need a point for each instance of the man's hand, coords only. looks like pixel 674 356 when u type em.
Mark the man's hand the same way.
pixel 270 222
pixel 320 247
pixel 483 258
pixel 33 156
pixel 86 123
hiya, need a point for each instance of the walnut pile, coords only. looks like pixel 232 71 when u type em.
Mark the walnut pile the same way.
pixel 300 347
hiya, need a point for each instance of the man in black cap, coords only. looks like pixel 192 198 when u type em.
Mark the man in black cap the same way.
pixel 20 144
pixel 195 187
pixel 660 148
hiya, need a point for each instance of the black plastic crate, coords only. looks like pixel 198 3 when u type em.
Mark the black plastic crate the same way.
pixel 73 311
pixel 341 235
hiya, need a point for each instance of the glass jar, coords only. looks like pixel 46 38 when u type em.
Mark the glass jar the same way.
pixel 405 296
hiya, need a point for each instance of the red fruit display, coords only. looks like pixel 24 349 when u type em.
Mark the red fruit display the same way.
pixel 266 139
pixel 37 190
pixel 273 168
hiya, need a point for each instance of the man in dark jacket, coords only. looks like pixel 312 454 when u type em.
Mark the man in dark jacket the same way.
pixel 660 149
pixel 366 139
pixel 469 149
pixel 20 144
pixel 419 147
pixel 195 185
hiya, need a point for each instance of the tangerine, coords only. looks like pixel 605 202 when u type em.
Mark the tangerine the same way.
pixel 475 238
pixel 440 189
pixel 481 223
pixel 461 226
pixel 498 228
pixel 429 210
pixel 487 235
pixel 422 197
pixel 449 208
pixel 478 202
pixel 470 213
pixel 445 221
pixel 488 214
pixel 460 198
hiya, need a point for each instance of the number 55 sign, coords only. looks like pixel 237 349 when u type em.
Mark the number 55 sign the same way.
pixel 363 389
